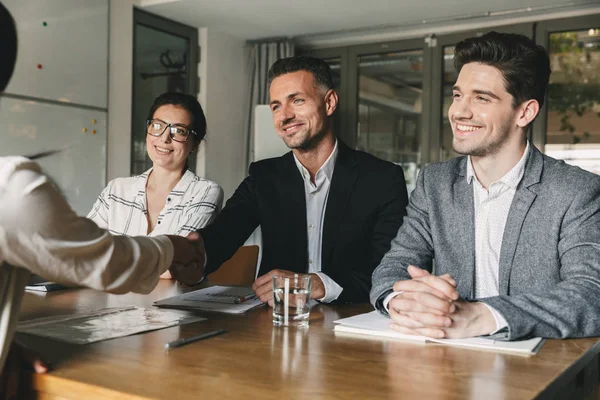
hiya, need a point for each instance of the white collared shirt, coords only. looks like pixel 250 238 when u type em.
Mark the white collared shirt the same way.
pixel 491 208
pixel 491 212
pixel 122 208
pixel 316 201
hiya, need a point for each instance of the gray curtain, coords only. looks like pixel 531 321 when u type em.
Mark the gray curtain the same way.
pixel 263 55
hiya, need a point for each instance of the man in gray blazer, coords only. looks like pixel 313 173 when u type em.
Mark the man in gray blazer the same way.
pixel 515 235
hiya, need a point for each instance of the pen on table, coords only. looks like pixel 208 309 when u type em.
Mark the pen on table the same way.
pixel 181 342
pixel 242 299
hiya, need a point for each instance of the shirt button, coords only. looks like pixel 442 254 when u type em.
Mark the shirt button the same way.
pixel 314 193
pixel 311 226
pixel 310 261
pixel 168 199
pixel 158 222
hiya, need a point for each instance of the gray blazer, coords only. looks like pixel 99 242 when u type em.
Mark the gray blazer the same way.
pixel 550 257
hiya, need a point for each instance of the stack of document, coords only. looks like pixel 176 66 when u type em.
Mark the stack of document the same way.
pixel 226 299
pixel 375 324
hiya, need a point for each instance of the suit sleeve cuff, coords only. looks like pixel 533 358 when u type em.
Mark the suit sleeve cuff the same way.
pixel 332 289
pixel 389 298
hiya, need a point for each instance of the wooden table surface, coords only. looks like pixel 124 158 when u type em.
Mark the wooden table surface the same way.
pixel 257 360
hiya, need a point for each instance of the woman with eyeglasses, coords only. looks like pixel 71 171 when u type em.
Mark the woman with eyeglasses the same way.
pixel 168 198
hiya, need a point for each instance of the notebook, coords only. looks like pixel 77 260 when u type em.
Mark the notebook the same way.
pixel 39 284
pixel 225 299
pixel 46 287
pixel 375 324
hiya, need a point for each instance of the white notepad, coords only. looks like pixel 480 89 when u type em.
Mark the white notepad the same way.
pixel 213 298
pixel 375 324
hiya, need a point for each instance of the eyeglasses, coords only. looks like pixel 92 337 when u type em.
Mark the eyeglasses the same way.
pixel 179 133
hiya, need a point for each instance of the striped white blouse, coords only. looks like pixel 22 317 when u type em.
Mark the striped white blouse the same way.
pixel 192 204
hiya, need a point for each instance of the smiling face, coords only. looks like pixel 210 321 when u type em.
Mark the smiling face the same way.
pixel 482 116
pixel 162 150
pixel 301 111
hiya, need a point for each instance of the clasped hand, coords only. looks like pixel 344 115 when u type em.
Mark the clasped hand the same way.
pixel 430 306
pixel 189 258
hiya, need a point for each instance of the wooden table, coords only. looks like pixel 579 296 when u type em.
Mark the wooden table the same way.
pixel 255 360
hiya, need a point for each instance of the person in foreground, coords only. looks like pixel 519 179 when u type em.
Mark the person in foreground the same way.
pixel 323 208
pixel 40 233
pixel 168 199
pixel 515 235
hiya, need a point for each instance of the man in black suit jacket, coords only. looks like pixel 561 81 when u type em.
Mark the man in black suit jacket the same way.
pixel 323 208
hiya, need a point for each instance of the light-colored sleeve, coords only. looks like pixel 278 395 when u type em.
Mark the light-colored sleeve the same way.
pixel 203 209
pixel 332 289
pixel 498 318
pixel 99 211
pixel 39 231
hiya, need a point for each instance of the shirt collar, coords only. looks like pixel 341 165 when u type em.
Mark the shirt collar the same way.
pixel 511 178
pixel 181 186
pixel 327 167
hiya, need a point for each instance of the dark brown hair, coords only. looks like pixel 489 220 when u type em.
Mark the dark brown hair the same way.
pixel 8 47
pixel 524 65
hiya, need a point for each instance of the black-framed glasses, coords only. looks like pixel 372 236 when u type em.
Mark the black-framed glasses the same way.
pixel 178 133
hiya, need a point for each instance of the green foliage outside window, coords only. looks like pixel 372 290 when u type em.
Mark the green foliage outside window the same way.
pixel 574 88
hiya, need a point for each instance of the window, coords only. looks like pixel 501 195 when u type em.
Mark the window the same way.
pixel 572 113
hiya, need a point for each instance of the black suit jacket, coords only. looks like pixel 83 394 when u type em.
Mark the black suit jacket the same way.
pixel 365 208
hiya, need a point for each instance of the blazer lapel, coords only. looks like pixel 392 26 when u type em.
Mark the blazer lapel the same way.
pixel 464 229
pixel 340 193
pixel 524 198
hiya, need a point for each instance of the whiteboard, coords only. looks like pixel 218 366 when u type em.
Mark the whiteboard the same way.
pixel 71 48
pixel 28 127
pixel 267 143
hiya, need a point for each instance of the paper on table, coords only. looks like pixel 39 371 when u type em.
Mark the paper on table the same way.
pixel 196 300
pixel 108 323
pixel 221 294
pixel 375 324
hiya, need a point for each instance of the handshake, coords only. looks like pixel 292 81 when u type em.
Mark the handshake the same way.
pixel 189 258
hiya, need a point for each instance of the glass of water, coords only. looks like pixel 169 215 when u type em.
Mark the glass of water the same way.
pixel 290 300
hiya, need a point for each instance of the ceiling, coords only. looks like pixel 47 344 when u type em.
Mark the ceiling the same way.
pixel 256 19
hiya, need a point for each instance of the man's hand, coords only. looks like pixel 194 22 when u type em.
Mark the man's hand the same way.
pixel 425 306
pixel 189 258
pixel 263 285
pixel 433 309
pixel 470 319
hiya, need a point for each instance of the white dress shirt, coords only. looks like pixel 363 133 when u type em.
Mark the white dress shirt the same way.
pixel 316 201
pixel 491 212
pixel 40 233
pixel 122 208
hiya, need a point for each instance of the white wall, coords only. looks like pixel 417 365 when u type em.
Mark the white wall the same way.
pixel 224 94
pixel 119 88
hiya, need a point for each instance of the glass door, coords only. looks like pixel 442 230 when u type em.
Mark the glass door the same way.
pixel 165 59
pixel 570 122
pixel 389 102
